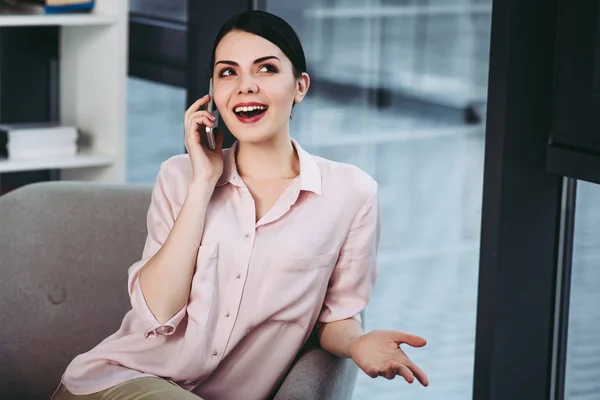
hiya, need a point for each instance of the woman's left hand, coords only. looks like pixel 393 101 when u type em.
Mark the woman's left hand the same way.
pixel 378 353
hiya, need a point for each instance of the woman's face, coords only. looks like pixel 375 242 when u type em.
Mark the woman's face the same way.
pixel 254 87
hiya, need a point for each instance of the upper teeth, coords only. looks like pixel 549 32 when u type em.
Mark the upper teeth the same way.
pixel 251 108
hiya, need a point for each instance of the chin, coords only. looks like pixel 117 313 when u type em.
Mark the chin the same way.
pixel 253 136
pixel 256 133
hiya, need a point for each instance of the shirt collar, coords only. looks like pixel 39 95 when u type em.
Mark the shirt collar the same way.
pixel 310 173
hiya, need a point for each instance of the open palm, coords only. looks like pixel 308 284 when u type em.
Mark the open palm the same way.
pixel 378 353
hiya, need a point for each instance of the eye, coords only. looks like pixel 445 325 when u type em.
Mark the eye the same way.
pixel 226 72
pixel 271 68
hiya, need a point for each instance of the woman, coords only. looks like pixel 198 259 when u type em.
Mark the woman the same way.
pixel 249 249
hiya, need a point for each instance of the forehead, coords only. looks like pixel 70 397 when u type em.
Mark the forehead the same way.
pixel 244 47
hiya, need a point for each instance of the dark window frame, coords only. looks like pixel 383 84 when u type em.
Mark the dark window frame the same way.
pixel 529 200
pixel 574 146
pixel 158 50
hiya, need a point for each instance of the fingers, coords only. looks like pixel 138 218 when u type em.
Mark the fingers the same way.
pixel 372 371
pixel 393 369
pixel 403 371
pixel 197 104
pixel 194 121
pixel 201 118
pixel 389 373
pixel 408 370
pixel 193 118
pixel 414 368
pixel 411 340
pixel 418 373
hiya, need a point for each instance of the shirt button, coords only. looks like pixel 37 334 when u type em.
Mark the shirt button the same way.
pixel 215 353
pixel 239 276
pixel 247 235
pixel 227 314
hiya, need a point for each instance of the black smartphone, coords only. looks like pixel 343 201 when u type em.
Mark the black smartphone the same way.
pixel 210 107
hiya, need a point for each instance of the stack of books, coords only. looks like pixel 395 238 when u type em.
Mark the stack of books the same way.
pixel 47 6
pixel 35 141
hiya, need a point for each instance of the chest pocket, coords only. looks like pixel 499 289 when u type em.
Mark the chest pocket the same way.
pixel 292 289
pixel 203 291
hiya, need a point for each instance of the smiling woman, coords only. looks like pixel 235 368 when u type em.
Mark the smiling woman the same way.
pixel 263 88
pixel 250 249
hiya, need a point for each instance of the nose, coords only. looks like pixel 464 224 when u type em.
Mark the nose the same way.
pixel 248 86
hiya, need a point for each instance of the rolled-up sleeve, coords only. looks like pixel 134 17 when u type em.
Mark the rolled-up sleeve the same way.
pixel 160 220
pixel 353 278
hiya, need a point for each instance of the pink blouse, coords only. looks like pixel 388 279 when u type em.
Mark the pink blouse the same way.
pixel 259 289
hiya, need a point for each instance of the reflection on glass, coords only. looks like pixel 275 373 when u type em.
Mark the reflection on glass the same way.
pixel 154 127
pixel 582 381
pixel 392 82
pixel 170 10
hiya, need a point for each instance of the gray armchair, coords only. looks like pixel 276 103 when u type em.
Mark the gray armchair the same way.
pixel 52 309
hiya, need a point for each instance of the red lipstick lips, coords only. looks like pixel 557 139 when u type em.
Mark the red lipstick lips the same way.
pixel 249 113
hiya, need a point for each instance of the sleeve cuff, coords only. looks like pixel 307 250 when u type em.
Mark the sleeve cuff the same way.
pixel 153 327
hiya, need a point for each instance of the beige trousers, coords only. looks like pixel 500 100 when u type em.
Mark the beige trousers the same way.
pixel 136 389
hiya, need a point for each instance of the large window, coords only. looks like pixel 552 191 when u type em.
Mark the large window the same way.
pixel 582 381
pixel 398 89
pixel 172 10
pixel 154 127
pixel 156 87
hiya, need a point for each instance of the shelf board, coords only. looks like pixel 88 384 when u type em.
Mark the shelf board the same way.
pixel 91 19
pixel 81 160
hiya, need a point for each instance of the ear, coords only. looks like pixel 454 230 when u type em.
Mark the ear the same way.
pixel 302 84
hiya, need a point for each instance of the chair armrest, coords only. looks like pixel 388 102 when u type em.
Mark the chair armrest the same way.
pixel 318 375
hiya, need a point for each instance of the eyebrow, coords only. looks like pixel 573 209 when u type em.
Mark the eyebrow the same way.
pixel 257 61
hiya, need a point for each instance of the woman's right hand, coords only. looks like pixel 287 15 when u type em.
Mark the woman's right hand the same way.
pixel 207 166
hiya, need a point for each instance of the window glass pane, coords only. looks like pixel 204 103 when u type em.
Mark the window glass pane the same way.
pixel 394 84
pixel 154 127
pixel 171 10
pixel 582 381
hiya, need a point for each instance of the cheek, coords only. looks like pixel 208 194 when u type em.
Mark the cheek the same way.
pixel 282 94
pixel 222 95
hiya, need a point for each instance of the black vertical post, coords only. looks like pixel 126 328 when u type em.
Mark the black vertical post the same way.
pixel 521 209
pixel 204 20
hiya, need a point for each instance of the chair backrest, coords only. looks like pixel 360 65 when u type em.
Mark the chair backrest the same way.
pixel 64 252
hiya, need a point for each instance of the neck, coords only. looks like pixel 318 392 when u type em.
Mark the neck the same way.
pixel 273 159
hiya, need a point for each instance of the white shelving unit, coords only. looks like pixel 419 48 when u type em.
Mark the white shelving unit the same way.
pixel 81 160
pixel 56 20
pixel 93 84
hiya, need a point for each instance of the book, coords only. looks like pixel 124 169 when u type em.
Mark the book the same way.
pixel 26 141
pixel 36 7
